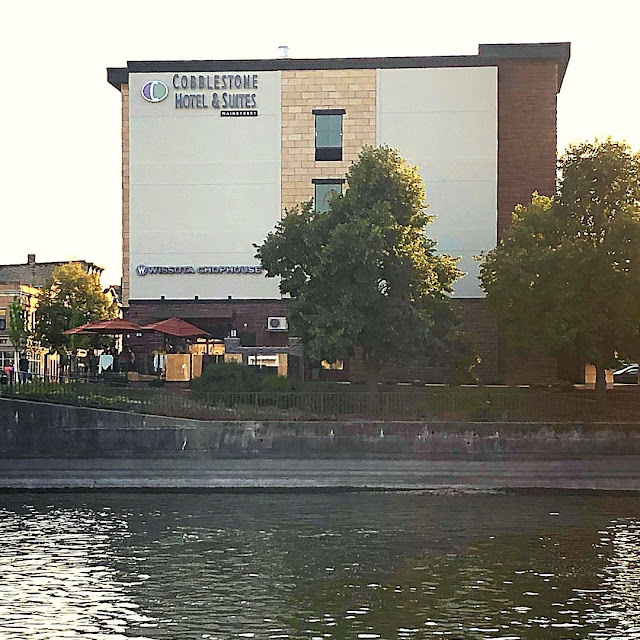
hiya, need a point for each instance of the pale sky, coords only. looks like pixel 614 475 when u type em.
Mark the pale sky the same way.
pixel 61 195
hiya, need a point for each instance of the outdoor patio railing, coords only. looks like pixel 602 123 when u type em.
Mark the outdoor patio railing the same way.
pixel 485 404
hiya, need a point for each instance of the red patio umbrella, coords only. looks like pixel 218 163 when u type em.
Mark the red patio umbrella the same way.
pixel 177 327
pixel 105 327
pixel 76 330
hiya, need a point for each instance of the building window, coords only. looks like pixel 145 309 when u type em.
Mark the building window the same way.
pixel 3 319
pixel 328 133
pixel 325 189
pixel 263 361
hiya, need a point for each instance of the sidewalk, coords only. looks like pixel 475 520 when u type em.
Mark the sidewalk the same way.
pixel 618 473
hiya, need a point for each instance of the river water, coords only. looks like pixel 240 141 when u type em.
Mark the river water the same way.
pixel 342 566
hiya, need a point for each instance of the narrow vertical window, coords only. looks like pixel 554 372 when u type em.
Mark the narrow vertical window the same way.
pixel 328 133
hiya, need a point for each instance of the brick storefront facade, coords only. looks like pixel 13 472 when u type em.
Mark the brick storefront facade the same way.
pixel 248 317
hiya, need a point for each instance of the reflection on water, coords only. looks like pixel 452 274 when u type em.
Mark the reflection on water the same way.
pixel 57 574
pixel 98 566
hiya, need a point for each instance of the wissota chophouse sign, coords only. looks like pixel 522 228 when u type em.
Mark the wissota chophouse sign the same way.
pixel 231 94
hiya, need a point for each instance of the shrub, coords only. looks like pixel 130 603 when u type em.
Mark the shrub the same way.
pixel 279 384
pixel 226 376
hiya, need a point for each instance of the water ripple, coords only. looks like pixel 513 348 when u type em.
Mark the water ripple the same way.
pixel 346 567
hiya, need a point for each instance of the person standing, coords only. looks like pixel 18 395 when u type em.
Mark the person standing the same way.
pixel 23 368
pixel 131 360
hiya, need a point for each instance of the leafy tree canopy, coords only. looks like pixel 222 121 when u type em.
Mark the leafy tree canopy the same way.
pixel 18 325
pixel 70 298
pixel 363 275
pixel 566 278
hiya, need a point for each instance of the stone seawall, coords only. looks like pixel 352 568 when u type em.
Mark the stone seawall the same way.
pixel 33 429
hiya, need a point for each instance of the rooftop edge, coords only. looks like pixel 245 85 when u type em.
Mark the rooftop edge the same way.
pixel 488 55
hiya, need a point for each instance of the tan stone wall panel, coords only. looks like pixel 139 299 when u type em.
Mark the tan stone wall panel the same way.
pixel 303 91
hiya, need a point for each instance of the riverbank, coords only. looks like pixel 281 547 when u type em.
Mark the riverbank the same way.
pixel 516 474
pixel 51 446
pixel 43 430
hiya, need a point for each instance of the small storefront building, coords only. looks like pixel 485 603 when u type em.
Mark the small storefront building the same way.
pixel 27 296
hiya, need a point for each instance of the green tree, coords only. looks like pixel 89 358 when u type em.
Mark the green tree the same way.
pixel 363 276
pixel 70 298
pixel 566 279
pixel 18 324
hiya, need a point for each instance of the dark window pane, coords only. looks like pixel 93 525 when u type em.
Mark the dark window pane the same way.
pixel 329 123
pixel 329 131
pixel 329 153
pixel 324 193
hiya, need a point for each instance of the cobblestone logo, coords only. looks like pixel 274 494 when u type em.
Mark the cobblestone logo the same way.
pixel 154 91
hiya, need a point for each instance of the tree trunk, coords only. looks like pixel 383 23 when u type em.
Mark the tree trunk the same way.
pixel 601 383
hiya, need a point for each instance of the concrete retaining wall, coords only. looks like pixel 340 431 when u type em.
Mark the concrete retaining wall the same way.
pixel 31 429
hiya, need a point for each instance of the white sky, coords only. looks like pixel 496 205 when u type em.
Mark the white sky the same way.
pixel 61 119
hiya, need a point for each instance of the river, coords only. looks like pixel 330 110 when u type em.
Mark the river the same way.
pixel 315 566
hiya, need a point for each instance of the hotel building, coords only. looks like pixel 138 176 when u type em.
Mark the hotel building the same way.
pixel 213 151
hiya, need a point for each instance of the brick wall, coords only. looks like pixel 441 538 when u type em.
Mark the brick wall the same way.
pixel 126 278
pixel 486 341
pixel 497 364
pixel 526 134
pixel 206 313
pixel 302 91
pixel 527 140
pixel 481 326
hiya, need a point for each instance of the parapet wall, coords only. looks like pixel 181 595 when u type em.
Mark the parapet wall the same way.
pixel 31 429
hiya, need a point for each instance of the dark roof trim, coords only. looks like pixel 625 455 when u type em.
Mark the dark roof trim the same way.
pixel 116 77
pixel 489 56
pixel 217 309
pixel 559 52
pixel 302 64
pixel 328 180
pixel 328 112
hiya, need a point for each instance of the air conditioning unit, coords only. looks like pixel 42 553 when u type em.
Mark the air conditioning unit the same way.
pixel 277 323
